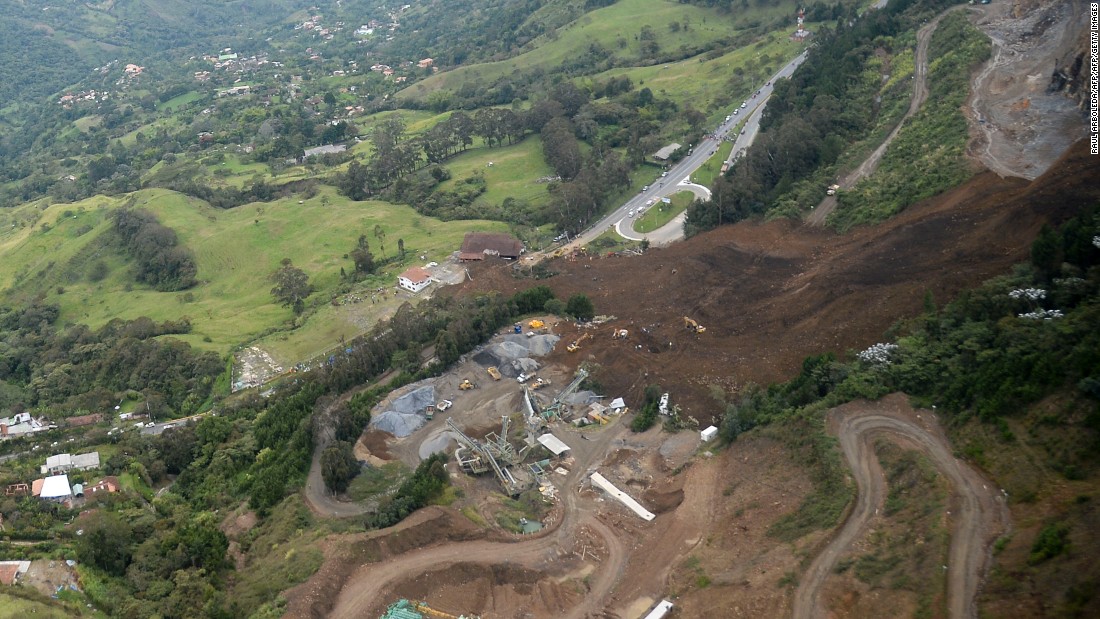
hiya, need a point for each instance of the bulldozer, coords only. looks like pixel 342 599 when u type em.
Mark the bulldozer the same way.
pixel 466 385
pixel 575 345
pixel 694 326
pixel 493 371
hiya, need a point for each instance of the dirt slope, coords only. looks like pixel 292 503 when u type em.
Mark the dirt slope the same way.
pixel 982 514
pixel 771 293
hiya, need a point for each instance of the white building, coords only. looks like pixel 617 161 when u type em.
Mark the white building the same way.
pixel 414 279
pixel 708 434
pixel 19 425
pixel 56 488
pixel 63 463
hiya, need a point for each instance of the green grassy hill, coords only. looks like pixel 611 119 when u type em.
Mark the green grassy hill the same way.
pixel 618 29
pixel 236 251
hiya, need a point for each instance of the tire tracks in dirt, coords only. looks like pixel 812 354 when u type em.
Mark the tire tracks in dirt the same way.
pixel 821 212
pixel 979 516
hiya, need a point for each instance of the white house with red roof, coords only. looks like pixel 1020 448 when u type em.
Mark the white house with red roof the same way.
pixel 414 279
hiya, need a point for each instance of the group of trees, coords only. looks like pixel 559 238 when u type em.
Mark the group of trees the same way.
pixel 292 286
pixel 160 261
pixel 77 369
pixel 812 116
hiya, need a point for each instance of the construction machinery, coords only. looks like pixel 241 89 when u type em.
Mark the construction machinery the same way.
pixel 575 345
pixel 493 371
pixel 693 326
pixel 404 609
pixel 536 324
pixel 466 385
pixel 619 334
pixel 539 383
pixel 495 453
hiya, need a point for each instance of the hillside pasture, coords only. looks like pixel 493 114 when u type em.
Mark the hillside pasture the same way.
pixel 236 252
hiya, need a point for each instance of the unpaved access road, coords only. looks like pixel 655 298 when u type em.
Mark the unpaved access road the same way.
pixel 817 216
pixel 978 516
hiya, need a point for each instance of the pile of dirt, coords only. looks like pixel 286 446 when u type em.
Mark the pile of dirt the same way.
pixel 487 590
pixel 772 293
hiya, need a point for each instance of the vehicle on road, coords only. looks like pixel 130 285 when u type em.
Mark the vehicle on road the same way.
pixel 645 188
pixel 744 104
pixel 630 214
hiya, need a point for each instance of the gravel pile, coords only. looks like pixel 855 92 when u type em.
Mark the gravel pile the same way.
pixel 439 442
pixel 405 414
pixel 398 424
pixel 414 401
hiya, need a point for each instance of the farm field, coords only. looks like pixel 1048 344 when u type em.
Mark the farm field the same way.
pixel 236 251
pixel 605 27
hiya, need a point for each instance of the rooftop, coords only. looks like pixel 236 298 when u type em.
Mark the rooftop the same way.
pixel 416 275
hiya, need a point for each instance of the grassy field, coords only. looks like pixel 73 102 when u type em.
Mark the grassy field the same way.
pixel 236 252
pixel 12 607
pixel 660 213
pixel 710 170
pixel 711 84
pixel 180 101
pixel 606 27
pixel 512 174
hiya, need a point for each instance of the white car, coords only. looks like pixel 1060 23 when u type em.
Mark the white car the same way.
pixel 522 378
pixel 743 105
pixel 433 264
pixel 630 214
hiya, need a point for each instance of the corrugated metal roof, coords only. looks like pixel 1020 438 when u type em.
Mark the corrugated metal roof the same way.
pixel 554 444
pixel 56 487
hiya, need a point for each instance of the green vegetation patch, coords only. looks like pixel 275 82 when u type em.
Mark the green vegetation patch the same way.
pixel 928 155
pixel 660 213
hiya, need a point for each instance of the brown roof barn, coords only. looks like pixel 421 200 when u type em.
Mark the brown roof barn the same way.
pixel 477 245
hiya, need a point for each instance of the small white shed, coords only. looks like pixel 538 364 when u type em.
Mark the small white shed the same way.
pixel 708 434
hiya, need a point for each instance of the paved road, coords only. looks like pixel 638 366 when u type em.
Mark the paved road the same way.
pixel 817 216
pixel 981 514
pixel 682 171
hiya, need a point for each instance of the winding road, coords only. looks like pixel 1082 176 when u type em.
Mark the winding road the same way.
pixel 980 516
pixel 363 589
pixel 821 212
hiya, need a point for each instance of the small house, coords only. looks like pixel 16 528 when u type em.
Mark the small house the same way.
pixel 56 488
pixel 414 279
pixel 478 245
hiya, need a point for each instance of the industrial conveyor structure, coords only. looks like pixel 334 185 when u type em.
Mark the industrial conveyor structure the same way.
pixel 495 453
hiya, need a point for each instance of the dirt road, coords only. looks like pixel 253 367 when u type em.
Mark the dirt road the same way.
pixel 978 515
pixel 817 216
pixel 368 585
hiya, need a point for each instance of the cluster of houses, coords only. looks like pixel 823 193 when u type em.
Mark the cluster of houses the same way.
pixel 68 100
pixel 476 246
pixel 22 424
pixel 55 485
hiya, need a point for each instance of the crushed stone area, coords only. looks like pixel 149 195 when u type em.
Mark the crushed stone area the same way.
pixel 1020 126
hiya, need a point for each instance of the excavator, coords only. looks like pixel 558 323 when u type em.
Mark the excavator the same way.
pixel 576 344
pixel 466 385
pixel 694 326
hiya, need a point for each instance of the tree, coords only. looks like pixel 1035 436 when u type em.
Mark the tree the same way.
pixel 380 234
pixel 401 248
pixel 580 307
pixel 338 466
pixel 105 543
pixel 291 286
pixel 361 256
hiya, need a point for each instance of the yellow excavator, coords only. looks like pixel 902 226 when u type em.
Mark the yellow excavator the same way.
pixel 694 326
pixel 466 385
pixel 536 324
pixel 576 344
